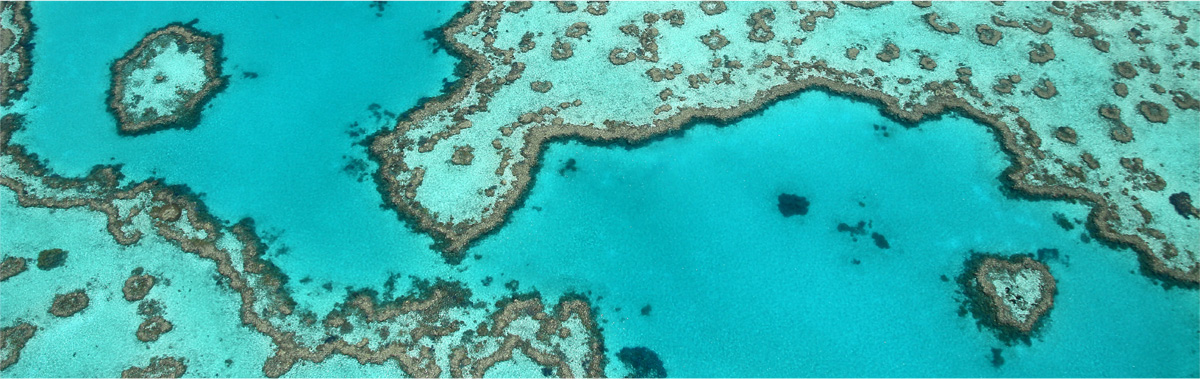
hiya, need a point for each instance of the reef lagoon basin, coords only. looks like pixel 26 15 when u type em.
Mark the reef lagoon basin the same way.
pixel 624 189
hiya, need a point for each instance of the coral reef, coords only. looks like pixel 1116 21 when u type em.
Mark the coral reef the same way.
pixel 137 286
pixel 564 338
pixel 68 304
pixel 642 362
pixel 11 266
pixel 159 367
pixel 51 258
pixel 152 328
pixel 12 340
pixel 165 80
pixel 16 42
pixel 925 72
pixel 1009 294
pixel 792 205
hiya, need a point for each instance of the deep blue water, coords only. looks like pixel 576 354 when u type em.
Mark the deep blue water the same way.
pixel 687 225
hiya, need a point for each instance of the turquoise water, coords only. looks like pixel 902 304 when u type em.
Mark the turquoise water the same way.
pixel 315 80
pixel 687 225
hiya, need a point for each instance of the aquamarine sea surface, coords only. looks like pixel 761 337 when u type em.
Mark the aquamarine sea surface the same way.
pixel 685 228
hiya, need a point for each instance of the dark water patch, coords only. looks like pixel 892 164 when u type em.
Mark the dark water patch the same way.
pixel 354 130
pixel 389 286
pixel 945 278
pixel 381 114
pixel 249 75
pixel 356 168
pixel 880 241
pixel 487 281
pixel 855 261
pixel 792 205
pixel 569 166
pixel 997 359
pixel 1083 237
pixel 547 372
pixel 642 363
pixel 512 285
pixel 881 130
pixel 1047 254
pixel 857 230
pixel 149 308
pixel 51 258
pixel 379 7
pixel 1182 202
pixel 1063 221
pixel 646 310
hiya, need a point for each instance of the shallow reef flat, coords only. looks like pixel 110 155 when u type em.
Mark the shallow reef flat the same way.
pixel 755 246
pixel 126 252
pixel 15 34
pixel 1093 102
pixel 165 79
pixel 469 336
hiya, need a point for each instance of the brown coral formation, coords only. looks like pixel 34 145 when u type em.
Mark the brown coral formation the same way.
pixel 674 17
pixel 1120 89
pixel 1045 89
pixel 619 56
pixel 1154 112
pixel 927 63
pixel 577 30
pixel 1066 134
pixel 11 266
pixel 13 340
pixel 541 86
pixel 889 53
pixel 987 35
pixel 1039 25
pixel 566 6
pixel 187 113
pixel 1182 201
pixel 760 29
pixel 712 8
pixel 932 19
pixel 137 286
pixel 152 328
pixel 1041 53
pixel 714 40
pixel 159 367
pixel 51 259
pixel 561 50
pixel 68 304
pixel 1184 100
pixel 12 82
pixel 999 291
pixel 1125 70
pixel 866 4
pixel 597 8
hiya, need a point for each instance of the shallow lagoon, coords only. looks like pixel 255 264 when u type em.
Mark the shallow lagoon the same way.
pixel 687 224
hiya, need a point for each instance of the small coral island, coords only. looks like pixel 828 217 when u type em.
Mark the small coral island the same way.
pixel 1010 295
pixel 164 81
